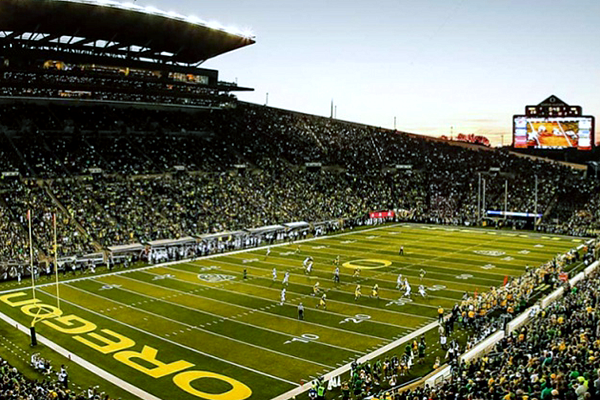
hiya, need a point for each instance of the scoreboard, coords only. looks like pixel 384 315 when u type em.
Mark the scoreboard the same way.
pixel 553 124
pixel 553 133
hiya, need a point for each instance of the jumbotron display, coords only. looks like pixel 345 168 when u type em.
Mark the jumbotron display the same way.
pixel 553 133
pixel 553 124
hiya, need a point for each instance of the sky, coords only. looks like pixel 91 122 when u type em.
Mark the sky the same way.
pixel 438 66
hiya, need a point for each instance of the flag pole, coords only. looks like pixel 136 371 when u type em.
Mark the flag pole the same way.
pixel 31 255
pixel 56 263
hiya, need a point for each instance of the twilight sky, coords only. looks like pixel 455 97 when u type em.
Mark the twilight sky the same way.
pixel 433 64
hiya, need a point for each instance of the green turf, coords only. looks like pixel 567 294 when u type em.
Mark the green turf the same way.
pixel 237 328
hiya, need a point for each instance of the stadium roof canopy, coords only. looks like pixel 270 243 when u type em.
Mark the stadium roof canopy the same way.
pixel 92 30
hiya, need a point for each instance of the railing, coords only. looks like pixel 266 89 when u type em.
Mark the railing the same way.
pixel 488 343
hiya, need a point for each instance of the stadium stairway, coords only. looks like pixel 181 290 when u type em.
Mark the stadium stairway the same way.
pixel 72 220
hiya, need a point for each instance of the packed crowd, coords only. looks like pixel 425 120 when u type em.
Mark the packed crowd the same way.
pixel 555 357
pixel 122 175
pixel 54 384
pixel 577 210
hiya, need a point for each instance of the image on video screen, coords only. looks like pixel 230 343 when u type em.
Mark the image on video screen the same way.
pixel 553 133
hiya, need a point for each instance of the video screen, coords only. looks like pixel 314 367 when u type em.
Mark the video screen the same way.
pixel 553 133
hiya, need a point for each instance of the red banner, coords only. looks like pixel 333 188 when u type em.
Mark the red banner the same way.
pixel 381 214
pixel 563 276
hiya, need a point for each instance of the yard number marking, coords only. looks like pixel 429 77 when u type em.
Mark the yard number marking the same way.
pixel 304 338
pixel 357 319
pixel 400 302
pixel 464 276
pixel 435 288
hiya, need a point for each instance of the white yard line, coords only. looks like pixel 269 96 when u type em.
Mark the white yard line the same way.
pixel 259 310
pixel 275 301
pixel 197 327
pixel 222 317
pixel 175 343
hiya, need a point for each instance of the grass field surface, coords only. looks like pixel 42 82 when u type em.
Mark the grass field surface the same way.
pixel 198 329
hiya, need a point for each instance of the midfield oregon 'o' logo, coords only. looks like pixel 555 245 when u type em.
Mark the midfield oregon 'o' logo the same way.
pixel 213 278
pixel 368 263
pixel 494 253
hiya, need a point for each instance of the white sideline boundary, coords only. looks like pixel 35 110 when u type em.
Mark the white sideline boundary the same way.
pixel 136 391
pixel 299 390
pixel 524 318
pixel 208 257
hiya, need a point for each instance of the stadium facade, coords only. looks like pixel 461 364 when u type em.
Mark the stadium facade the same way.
pixel 109 51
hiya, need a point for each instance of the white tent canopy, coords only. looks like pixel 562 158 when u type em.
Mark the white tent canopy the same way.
pixel 297 225
pixel 266 229
pixel 126 248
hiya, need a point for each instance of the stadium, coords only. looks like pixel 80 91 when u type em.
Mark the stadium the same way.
pixel 162 239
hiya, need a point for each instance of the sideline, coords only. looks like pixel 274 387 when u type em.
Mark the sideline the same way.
pixel 187 260
pixel 390 346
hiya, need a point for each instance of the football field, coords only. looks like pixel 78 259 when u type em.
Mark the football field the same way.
pixel 198 329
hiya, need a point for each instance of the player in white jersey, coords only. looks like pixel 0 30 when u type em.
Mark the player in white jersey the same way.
pixel 274 274
pixel 282 296
pixel 422 291
pixel 308 264
pixel 286 278
pixel 399 284
pixel 408 288
pixel 316 289
pixel 268 253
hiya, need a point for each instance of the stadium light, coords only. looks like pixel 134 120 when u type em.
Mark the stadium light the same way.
pixel 214 25
pixel 246 33
pixel 173 14
pixel 132 6
pixel 152 10
pixel 192 19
